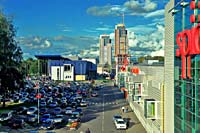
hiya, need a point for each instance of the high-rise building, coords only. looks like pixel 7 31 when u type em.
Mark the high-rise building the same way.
pixel 121 43
pixel 121 48
pixel 105 52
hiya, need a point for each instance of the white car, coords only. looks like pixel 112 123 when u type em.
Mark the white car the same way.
pixel 120 124
pixel 58 118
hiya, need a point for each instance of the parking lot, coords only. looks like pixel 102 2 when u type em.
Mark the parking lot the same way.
pixel 47 106
pixel 66 107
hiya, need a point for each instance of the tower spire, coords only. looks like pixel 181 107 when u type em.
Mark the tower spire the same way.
pixel 122 18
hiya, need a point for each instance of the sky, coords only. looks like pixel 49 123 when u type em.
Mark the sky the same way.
pixel 73 27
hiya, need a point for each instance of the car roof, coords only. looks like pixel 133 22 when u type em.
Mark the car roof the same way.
pixel 120 120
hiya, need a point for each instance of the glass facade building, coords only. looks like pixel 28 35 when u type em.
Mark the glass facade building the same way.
pixel 186 91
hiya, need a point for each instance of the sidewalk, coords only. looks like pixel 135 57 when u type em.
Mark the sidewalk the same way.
pixel 134 124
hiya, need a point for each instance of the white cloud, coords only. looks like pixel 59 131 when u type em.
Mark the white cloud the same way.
pixel 147 43
pixel 131 7
pixel 155 13
pixel 158 53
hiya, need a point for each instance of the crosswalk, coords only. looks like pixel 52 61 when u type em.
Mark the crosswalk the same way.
pixel 101 103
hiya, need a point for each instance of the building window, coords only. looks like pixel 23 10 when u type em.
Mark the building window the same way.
pixel 150 109
pixel 67 68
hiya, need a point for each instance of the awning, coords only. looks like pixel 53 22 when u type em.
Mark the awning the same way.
pixel 123 89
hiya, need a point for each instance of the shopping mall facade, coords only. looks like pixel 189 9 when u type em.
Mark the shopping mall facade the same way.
pixel 167 98
pixel 182 62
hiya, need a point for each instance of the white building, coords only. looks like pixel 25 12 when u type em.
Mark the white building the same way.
pixel 65 72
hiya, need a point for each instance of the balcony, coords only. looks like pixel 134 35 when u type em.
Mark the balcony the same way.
pixel 138 89
pixel 151 109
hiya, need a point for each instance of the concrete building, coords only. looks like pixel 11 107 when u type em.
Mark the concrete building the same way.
pixel 144 91
pixel 62 68
pixel 168 116
pixel 105 50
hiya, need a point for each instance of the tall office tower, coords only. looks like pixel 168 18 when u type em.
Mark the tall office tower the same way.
pixel 121 49
pixel 121 43
pixel 168 104
pixel 105 55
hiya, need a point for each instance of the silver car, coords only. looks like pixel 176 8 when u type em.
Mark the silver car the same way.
pixel 31 110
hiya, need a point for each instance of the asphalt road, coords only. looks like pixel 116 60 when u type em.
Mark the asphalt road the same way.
pixel 98 116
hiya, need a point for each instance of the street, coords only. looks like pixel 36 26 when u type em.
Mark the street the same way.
pixel 98 115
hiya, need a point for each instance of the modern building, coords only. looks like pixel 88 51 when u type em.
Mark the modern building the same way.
pixel 72 70
pixel 168 116
pixel 182 67
pixel 93 60
pixel 62 68
pixel 121 48
pixel 105 52
pixel 143 88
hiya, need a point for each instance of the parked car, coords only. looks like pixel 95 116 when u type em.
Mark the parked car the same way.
pixel 79 110
pixel 6 116
pixel 32 118
pixel 31 110
pixel 58 118
pixel 68 111
pixel 120 124
pixel 18 123
pixel 43 104
pixel 74 118
pixel 83 104
pixel 57 110
pixel 21 110
pixel 49 124
pixel 43 111
pixel 117 116
pixel 45 117
pixel 53 104
pixel 94 94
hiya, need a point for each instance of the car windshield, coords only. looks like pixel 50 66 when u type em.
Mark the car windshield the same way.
pixel 120 122
pixel 4 115
pixel 46 116
pixel 117 117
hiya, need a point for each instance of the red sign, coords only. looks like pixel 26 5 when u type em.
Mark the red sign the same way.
pixel 189 44
pixel 38 96
pixel 135 70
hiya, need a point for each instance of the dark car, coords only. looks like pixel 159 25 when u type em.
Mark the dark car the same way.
pixel 18 123
pixel 21 110
pixel 79 110
pixel 49 124
pixel 43 111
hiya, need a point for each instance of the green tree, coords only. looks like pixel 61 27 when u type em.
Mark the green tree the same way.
pixel 30 66
pixel 11 72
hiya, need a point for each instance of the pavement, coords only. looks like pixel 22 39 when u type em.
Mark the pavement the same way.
pixel 134 126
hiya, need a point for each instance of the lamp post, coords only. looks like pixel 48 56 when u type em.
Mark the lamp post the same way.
pixel 38 96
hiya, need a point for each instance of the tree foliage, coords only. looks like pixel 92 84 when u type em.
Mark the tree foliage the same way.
pixel 30 66
pixel 11 73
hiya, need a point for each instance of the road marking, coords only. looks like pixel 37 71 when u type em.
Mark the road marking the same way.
pixel 101 103
pixel 103 115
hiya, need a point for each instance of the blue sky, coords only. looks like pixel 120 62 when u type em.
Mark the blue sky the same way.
pixel 72 27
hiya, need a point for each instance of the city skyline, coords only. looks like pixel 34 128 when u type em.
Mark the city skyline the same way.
pixel 73 27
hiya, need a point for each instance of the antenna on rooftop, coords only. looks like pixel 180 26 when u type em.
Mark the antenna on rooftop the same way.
pixel 122 18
